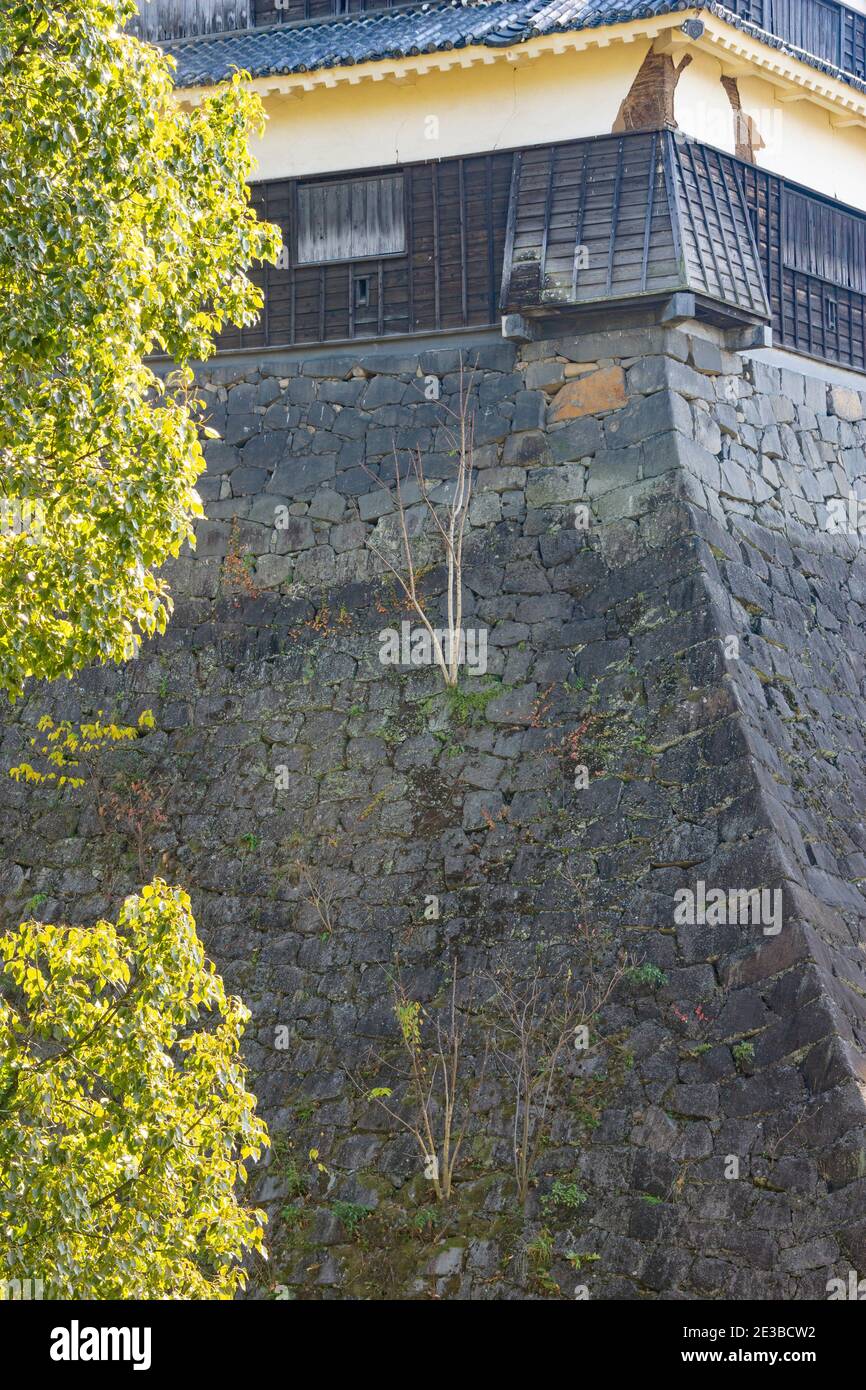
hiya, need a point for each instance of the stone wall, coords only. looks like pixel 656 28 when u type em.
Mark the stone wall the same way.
pixel 694 639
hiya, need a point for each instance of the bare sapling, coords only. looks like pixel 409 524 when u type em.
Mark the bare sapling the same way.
pixel 439 1093
pixel 532 1023
pixel 449 523
pixel 318 895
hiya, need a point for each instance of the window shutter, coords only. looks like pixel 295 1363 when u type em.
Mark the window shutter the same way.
pixel 351 219
pixel 824 241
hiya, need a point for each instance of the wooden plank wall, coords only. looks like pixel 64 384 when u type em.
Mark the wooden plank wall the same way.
pixel 717 238
pixel 808 314
pixel 824 241
pixel 272 12
pixel 854 42
pixel 592 221
pixel 589 220
pixel 449 276
pixel 751 10
pixel 177 19
pixel 457 220
pixel 821 27
pixel 811 25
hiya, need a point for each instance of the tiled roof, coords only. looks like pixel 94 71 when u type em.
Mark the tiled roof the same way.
pixel 429 28
pixel 397 33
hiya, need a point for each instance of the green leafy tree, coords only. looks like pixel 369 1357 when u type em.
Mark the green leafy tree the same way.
pixel 125 230
pixel 125 1123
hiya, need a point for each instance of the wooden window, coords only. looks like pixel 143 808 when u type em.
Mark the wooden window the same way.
pixel 823 28
pixel 351 220
pixel 279 11
pixel 810 314
pixel 808 24
pixel 824 241
pixel 448 275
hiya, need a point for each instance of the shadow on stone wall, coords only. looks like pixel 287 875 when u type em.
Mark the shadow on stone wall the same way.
pixel 672 699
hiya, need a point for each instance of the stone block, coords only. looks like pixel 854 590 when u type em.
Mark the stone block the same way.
pixel 844 403
pixel 296 534
pixel 240 428
pixel 705 356
pixel 327 506
pixel 655 414
pixel 295 476
pixel 576 440
pixel 545 487
pixel 273 570
pixel 544 375
pixel 612 468
pixel 372 505
pixel 317 566
pixel 247 482
pixel 594 394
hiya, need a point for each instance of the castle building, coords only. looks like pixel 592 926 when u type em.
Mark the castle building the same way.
pixel 443 167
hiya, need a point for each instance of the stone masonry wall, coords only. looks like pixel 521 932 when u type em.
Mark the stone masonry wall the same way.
pixel 697 646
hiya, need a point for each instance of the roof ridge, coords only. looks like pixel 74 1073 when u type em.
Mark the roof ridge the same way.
pixel 379 35
pixel 402 7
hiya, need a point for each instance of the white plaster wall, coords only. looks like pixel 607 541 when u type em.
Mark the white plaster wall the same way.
pixel 437 114
pixel 548 98
pixel 803 145
pixel 701 104
pixel 800 141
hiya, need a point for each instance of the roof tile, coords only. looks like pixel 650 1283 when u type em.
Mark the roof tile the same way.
pixel 406 31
